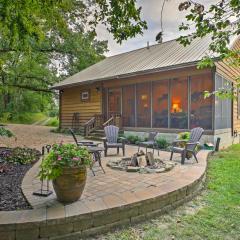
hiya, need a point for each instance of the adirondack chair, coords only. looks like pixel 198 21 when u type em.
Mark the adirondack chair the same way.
pixel 111 139
pixel 151 142
pixel 190 147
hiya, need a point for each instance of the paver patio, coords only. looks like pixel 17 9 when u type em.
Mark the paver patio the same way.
pixel 119 186
pixel 109 200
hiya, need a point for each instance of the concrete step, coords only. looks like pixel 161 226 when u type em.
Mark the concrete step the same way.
pixel 99 131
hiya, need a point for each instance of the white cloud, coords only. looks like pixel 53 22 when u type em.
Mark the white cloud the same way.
pixel 151 11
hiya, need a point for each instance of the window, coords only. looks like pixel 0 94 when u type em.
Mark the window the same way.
pixel 179 103
pixel 128 114
pixel 85 95
pixel 201 109
pixel 144 105
pixel 160 104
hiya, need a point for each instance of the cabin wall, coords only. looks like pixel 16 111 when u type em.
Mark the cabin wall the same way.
pixel 70 97
pixel 70 102
pixel 230 73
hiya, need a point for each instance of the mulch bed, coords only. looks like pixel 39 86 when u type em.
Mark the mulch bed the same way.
pixel 11 176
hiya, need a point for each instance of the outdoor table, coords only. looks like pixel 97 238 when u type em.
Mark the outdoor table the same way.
pixel 89 144
pixel 96 152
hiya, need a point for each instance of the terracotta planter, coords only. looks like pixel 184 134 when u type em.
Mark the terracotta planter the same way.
pixel 69 186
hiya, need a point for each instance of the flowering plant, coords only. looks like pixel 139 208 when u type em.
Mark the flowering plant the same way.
pixel 63 156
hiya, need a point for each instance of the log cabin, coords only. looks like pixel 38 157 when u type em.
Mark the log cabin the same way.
pixel 155 88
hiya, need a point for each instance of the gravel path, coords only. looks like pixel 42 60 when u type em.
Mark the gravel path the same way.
pixel 11 197
pixel 32 136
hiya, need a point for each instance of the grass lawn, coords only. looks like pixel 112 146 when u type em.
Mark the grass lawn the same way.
pixel 52 122
pixel 32 118
pixel 215 214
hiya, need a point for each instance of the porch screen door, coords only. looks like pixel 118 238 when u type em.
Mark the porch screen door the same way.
pixel 114 101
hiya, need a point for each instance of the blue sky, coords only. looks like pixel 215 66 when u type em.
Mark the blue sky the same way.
pixel 151 13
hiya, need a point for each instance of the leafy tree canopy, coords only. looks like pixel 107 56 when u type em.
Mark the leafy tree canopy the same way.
pixel 62 32
pixel 44 41
pixel 221 21
pixel 25 22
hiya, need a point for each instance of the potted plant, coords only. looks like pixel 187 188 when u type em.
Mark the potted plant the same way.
pixel 66 166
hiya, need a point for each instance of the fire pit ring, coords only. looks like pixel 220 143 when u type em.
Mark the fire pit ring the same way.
pixel 141 163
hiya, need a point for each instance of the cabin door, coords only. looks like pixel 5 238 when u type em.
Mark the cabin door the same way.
pixel 114 101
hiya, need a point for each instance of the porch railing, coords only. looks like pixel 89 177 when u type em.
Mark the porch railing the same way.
pixel 94 123
pixel 97 122
pixel 115 119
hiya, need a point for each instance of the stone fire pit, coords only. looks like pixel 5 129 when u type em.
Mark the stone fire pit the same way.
pixel 141 163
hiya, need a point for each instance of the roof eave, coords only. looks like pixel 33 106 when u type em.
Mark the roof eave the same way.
pixel 144 72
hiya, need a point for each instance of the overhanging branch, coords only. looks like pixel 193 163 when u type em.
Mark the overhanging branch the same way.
pixel 35 89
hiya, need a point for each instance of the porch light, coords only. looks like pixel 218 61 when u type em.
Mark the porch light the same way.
pixel 144 97
pixel 176 108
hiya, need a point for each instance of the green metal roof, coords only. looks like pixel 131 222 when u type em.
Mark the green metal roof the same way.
pixel 159 57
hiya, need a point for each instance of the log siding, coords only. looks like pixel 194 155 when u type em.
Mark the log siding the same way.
pixel 71 103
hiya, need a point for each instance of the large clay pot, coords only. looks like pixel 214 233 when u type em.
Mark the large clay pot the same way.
pixel 69 186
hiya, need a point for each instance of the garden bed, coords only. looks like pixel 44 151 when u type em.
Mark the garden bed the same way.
pixel 14 163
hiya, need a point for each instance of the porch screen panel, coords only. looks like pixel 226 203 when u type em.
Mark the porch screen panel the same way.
pixel 160 104
pixel 114 101
pixel 144 105
pixel 218 104
pixel 179 103
pixel 128 108
pixel 223 107
pixel 201 109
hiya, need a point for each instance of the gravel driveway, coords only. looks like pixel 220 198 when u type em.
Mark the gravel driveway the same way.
pixel 32 136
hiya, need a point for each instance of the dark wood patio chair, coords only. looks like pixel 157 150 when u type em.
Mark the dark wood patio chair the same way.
pixel 82 143
pixel 190 146
pixel 150 143
pixel 112 140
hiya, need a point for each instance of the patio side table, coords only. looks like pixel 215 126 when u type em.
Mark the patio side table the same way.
pixel 96 152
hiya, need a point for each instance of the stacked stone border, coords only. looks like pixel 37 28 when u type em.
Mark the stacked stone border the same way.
pixel 29 224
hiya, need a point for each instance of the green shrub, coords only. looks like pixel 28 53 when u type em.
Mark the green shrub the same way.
pixel 53 112
pixel 53 122
pixel 21 155
pixel 62 156
pixel 145 139
pixel 121 135
pixel 184 136
pixel 5 117
pixel 162 143
pixel 5 132
pixel 134 139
